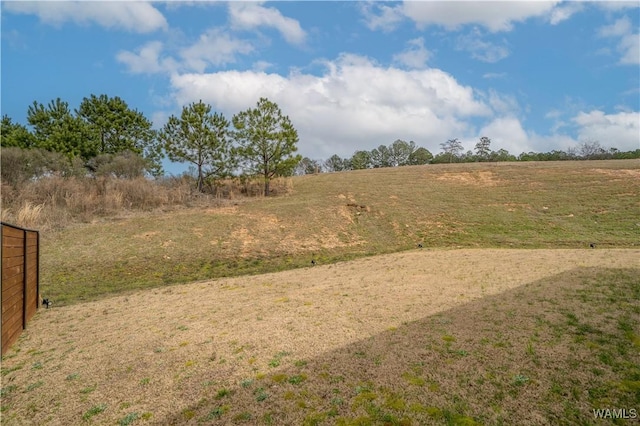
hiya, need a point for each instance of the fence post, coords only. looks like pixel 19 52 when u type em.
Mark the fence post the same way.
pixel 1 298
pixel 38 270
pixel 24 281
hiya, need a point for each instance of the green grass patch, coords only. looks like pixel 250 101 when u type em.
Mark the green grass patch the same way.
pixel 129 419
pixel 93 411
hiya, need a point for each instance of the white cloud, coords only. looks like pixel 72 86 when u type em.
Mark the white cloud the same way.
pixel 140 17
pixel 261 66
pixel 354 104
pixel 506 132
pixel 453 15
pixel 385 18
pixel 620 130
pixel 565 11
pixel 634 91
pixel 503 104
pixel 159 119
pixel 414 56
pixel 548 143
pixel 214 47
pixel 147 59
pixel 629 47
pixel 245 15
pixel 614 6
pixel 495 16
pixel 628 43
pixel 481 50
pixel 619 28
pixel 357 103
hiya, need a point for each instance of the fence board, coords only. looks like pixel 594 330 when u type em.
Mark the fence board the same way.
pixel 12 284
pixel 12 242
pixel 9 293
pixel 13 312
pixel 10 273
pixel 14 280
pixel 20 275
pixel 12 329
pixel 10 262
pixel 12 251
pixel 12 231
pixel 10 336
pixel 11 287
pixel 11 309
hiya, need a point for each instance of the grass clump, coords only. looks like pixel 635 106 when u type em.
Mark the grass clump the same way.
pixel 33 386
pixel 242 417
pixel 297 379
pixel 223 393
pixel 129 419
pixel 260 394
pixel 93 411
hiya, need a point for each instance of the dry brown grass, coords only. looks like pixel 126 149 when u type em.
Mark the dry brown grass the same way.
pixel 419 337
pixel 54 203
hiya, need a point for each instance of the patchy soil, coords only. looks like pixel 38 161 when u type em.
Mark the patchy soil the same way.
pixel 298 346
pixel 479 178
pixel 621 174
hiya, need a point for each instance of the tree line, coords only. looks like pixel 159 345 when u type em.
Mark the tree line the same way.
pixel 104 135
pixel 402 153
pixel 103 130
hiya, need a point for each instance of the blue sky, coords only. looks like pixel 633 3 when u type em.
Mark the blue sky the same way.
pixel 532 76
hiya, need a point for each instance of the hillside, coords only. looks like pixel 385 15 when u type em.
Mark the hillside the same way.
pixel 340 216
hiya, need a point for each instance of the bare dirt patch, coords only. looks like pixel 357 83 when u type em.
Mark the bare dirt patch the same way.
pixel 620 173
pixel 480 178
pixel 157 353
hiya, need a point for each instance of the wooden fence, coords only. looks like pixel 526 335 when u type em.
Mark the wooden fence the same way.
pixel 20 281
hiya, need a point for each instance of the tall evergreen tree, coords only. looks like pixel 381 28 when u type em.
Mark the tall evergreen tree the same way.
pixel 14 134
pixel 200 138
pixel 336 164
pixel 267 141
pixel 420 156
pixel 361 160
pixel 116 128
pixel 381 157
pixel 400 151
pixel 483 148
pixel 56 129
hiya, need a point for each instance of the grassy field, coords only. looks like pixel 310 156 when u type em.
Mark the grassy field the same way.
pixel 457 337
pixel 505 316
pixel 342 216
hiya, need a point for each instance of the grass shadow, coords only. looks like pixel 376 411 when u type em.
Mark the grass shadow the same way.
pixel 549 352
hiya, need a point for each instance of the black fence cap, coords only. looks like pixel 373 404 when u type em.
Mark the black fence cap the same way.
pixel 19 227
